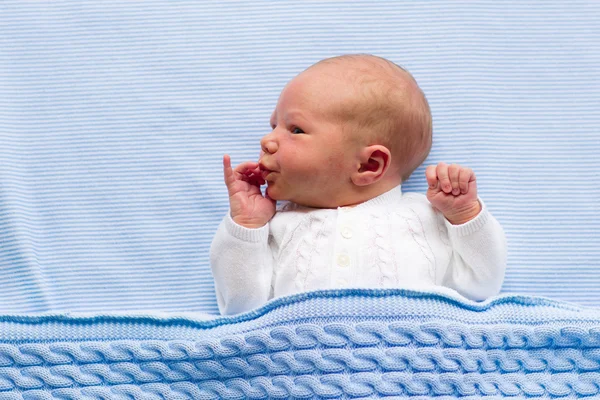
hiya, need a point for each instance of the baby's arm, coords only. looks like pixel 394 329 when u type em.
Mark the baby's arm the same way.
pixel 242 266
pixel 241 261
pixel 478 261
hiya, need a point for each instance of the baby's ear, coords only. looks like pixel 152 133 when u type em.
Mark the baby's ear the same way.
pixel 374 161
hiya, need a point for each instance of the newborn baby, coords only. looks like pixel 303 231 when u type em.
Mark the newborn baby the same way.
pixel 346 133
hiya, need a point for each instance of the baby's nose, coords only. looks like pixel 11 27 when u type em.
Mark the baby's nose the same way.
pixel 268 144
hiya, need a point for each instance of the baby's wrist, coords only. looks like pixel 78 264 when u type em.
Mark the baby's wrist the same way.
pixel 246 234
pixel 464 214
pixel 249 223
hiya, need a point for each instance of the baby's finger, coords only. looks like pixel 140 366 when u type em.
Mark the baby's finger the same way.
pixel 227 171
pixel 466 176
pixel 246 167
pixel 431 175
pixel 442 173
pixel 453 171
pixel 248 171
pixel 254 178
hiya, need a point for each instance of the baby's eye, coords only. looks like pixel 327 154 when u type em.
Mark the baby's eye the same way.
pixel 297 131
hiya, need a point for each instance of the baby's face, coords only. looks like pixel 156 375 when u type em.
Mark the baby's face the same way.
pixel 307 158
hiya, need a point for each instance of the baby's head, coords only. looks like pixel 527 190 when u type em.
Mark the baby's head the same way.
pixel 345 130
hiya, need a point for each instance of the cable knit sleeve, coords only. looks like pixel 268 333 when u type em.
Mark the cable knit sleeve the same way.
pixel 478 261
pixel 242 266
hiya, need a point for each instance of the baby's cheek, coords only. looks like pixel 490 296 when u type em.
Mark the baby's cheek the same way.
pixel 336 163
pixel 312 166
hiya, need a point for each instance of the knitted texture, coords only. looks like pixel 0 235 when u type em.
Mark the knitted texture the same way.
pixel 330 344
pixel 393 240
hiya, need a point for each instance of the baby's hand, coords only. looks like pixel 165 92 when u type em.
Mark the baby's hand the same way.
pixel 249 207
pixel 453 191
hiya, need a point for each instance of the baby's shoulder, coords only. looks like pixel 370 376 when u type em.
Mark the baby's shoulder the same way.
pixel 417 203
pixel 418 200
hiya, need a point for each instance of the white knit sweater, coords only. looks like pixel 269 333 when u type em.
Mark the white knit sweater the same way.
pixel 393 240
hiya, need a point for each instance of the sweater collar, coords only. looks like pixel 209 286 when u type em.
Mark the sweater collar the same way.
pixel 391 196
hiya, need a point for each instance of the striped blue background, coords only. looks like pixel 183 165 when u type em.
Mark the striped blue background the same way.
pixel 114 117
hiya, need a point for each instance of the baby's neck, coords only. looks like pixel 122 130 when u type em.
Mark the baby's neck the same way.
pixel 357 195
pixel 364 194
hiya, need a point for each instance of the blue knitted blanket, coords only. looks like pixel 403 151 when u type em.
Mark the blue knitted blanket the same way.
pixel 327 344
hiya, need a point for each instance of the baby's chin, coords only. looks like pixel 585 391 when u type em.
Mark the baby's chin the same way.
pixel 273 192
pixel 314 200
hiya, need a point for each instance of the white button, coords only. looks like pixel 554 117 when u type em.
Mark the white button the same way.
pixel 347 232
pixel 343 260
pixel 341 282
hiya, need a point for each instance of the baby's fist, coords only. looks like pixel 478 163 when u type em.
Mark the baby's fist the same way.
pixel 247 204
pixel 453 191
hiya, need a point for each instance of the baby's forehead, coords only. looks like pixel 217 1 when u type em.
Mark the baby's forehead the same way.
pixel 341 84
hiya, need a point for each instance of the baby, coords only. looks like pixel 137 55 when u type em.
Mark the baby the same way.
pixel 346 133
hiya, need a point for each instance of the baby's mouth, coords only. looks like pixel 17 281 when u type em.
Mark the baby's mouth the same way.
pixel 264 171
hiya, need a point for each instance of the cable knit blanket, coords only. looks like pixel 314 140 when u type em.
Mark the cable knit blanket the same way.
pixel 329 344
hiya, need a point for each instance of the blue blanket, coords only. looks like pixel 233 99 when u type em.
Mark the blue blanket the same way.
pixel 329 344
